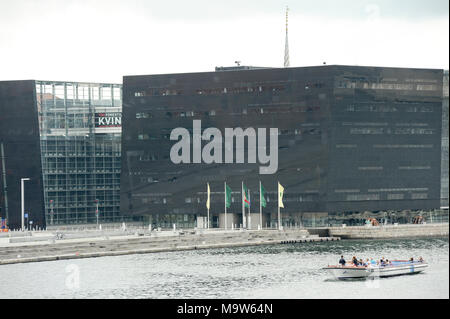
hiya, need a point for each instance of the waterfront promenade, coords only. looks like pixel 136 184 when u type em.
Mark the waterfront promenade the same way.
pixel 47 246
pixel 22 247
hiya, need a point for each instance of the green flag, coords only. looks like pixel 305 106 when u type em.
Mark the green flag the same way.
pixel 246 199
pixel 263 199
pixel 228 196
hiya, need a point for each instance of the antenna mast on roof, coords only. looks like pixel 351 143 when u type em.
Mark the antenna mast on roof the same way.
pixel 286 48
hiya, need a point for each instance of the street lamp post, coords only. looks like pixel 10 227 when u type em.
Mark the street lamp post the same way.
pixel 51 212
pixel 22 180
pixel 96 211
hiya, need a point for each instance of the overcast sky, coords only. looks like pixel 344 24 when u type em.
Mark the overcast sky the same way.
pixel 102 40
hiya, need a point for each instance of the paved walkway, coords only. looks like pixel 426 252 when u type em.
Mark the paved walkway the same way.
pixel 105 245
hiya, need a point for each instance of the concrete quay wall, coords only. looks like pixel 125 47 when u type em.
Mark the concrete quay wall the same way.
pixel 140 244
pixel 389 231
pixel 45 246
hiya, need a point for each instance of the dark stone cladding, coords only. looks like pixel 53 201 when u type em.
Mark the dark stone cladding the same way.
pixel 19 133
pixel 348 138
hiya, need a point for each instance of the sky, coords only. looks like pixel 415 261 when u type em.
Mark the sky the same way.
pixel 103 40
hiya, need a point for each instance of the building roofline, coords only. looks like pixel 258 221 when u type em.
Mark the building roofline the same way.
pixel 52 81
pixel 78 82
pixel 288 68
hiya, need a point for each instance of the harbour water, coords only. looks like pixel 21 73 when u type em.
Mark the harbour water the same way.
pixel 290 271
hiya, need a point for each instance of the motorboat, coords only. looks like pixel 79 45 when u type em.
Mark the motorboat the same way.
pixel 394 268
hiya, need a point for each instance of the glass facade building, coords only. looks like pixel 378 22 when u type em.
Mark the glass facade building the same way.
pixel 80 133
pixel 353 142
pixel 78 126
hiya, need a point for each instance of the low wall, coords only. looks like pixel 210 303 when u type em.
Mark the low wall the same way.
pixel 390 231
pixel 321 232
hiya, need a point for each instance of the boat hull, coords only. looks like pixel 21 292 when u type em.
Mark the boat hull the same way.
pixel 343 273
pixel 391 271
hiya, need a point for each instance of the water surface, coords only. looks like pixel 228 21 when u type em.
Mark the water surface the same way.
pixel 280 271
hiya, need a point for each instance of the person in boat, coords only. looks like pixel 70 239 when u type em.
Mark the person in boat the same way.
pixel 375 222
pixel 412 259
pixel 420 259
pixel 361 263
pixel 342 261
pixel 355 261
pixel 373 262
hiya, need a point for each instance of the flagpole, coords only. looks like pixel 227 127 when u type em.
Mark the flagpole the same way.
pixel 249 217
pixel 279 216
pixel 260 206
pixel 208 205
pixel 243 206
pixel 225 205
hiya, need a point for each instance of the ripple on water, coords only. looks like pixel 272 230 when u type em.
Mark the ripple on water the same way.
pixel 274 271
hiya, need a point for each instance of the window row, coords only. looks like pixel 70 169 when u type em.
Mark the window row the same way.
pixel 291 132
pixel 365 197
pixel 82 187
pixel 245 111
pixel 384 124
pixel 386 86
pixel 77 91
pixel 214 91
pixel 237 199
pixel 388 108
pixel 403 146
pixel 398 131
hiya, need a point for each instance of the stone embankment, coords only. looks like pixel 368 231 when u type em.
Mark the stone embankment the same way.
pixel 17 247
pixel 48 246
pixel 385 231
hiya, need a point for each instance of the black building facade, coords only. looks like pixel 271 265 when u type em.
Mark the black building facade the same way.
pixel 444 161
pixel 20 155
pixel 350 139
pixel 386 130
